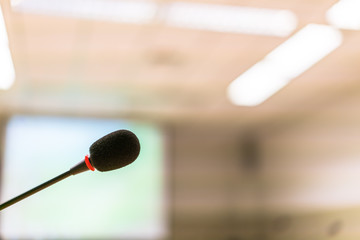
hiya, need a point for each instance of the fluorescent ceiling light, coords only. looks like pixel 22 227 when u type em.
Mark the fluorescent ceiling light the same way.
pixel 286 62
pixel 7 72
pixel 345 14
pixel 231 19
pixel 211 17
pixel 108 10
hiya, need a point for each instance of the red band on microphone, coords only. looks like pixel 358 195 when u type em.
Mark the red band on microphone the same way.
pixel 88 164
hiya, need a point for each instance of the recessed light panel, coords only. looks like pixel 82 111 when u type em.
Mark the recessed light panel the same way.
pixel 7 71
pixel 286 62
pixel 345 14
pixel 235 19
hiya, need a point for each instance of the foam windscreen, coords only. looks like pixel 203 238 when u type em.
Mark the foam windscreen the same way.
pixel 114 150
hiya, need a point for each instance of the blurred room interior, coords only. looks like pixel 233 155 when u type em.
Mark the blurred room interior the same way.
pixel 217 162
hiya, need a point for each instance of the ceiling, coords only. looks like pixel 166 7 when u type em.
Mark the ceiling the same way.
pixel 160 73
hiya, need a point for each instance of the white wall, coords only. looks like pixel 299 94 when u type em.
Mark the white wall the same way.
pixel 311 174
pixel 303 185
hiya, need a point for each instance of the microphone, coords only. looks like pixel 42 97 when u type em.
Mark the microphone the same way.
pixel 115 150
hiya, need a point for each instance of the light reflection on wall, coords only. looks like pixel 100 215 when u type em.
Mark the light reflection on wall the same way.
pixel 126 203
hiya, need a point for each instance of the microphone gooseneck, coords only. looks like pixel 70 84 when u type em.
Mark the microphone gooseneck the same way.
pixel 35 190
pixel 114 150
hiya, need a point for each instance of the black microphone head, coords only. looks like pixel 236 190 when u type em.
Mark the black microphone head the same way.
pixel 114 150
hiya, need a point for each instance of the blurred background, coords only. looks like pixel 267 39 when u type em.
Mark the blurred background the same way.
pixel 247 113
